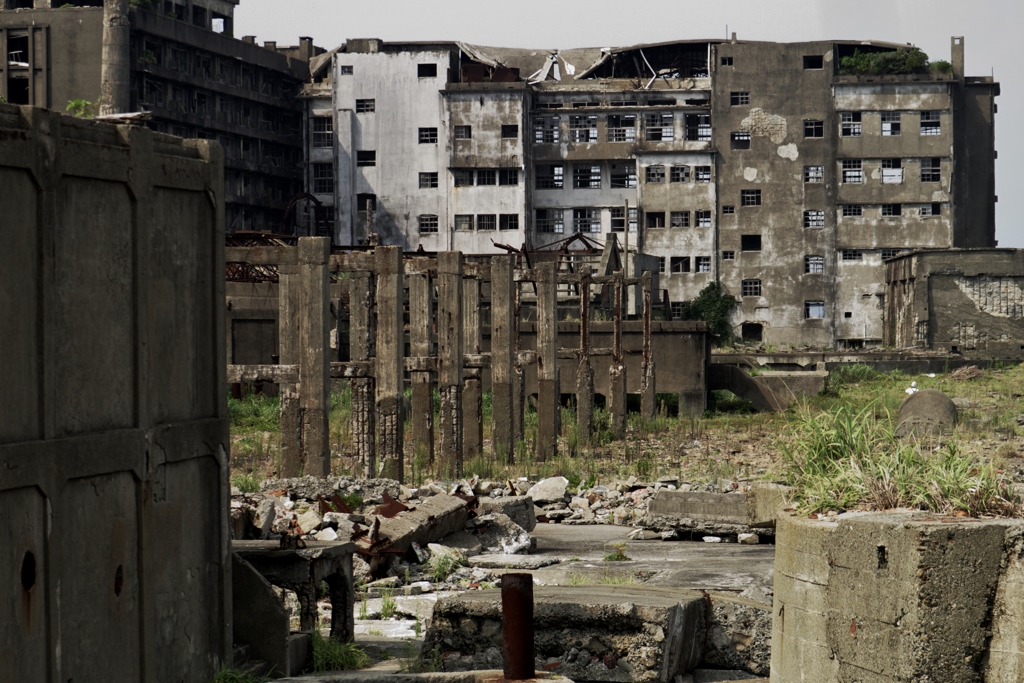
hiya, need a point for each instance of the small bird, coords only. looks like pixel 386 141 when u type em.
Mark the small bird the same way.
pixel 912 389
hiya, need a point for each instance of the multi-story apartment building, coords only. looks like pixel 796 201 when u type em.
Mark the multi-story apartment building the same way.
pixel 187 70
pixel 757 165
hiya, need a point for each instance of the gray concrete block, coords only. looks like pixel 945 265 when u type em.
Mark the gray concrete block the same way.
pixel 260 620
pixel 764 502
pixel 730 508
pixel 519 508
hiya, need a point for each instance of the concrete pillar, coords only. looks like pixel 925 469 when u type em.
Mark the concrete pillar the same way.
pixel 518 374
pixel 585 373
pixel 648 395
pixel 314 363
pixel 502 371
pixel 288 354
pixel 362 336
pixel 617 368
pixel 115 69
pixel 421 320
pixel 389 366
pixel 472 384
pixel 449 359
pixel 548 424
pixel 692 404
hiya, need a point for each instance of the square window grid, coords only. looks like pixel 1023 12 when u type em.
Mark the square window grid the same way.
pixel 729 255
pixel 814 265
pixel 486 176
pixel 814 129
pixel 323 178
pixel 661 264
pixel 702 174
pixel 814 174
pixel 486 221
pixel 658 127
pixel 738 99
pixel 582 128
pixel 462 177
pixel 323 131
pixel 586 220
pixel 623 175
pixel 931 170
pixel 546 129
pixel 703 264
pixel 508 176
pixel 586 177
pixel 750 287
pixel 814 218
pixel 428 223
pixel 679 174
pixel 428 136
pixel 463 132
pixel 550 177
pixel 550 221
pixel 890 123
pixel 702 219
pixel 728 210
pixel 853 171
pixel 697 127
pixel 654 174
pixel 428 180
pixel 750 197
pixel 464 221
pixel 508 221
pixel 891 253
pixel 621 127
pixel 679 219
pixel 679 307
pixel 892 210
pixel 850 124
pixel 852 210
pixel 929 210
pixel 931 124
pixel 852 255
pixel 366 106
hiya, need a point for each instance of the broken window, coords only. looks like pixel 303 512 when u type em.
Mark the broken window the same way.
pixel 814 265
pixel 751 287
pixel 508 221
pixel 680 264
pixel 655 219
pixel 462 177
pixel 486 176
pixel 726 61
pixel 814 61
pixel 586 177
pixel 366 158
pixel 853 171
pixel 703 264
pixel 892 171
pixel 345 69
pixel 750 243
pixel 702 219
pixel 464 221
pixel 934 209
pixel 463 132
pixel 583 128
pixel 930 123
pixel 427 223
pixel 740 140
pixel 814 310
pixel 750 197
pixel 486 221
pixel 728 210
pixel 661 102
pixel 931 170
pixel 426 70
pixel 739 99
pixel 679 219
pixel 549 176
pixel 852 210
pixel 679 174
pixel 814 219
pixel 510 130
pixel 428 180
pixel 850 124
pixel 366 106
pixel 814 129
pixel 428 136
pixel 729 255
pixel 583 105
pixel 852 254
pixel 698 127
pixel 586 220
pixel 619 219
pixel 654 174
pixel 323 131
pixel 658 127
pixel 623 175
pixel 546 129
pixel 814 174
pixel 890 123
pixel 550 220
pixel 892 210
pixel 323 178
pixel 891 253
pixel 508 176
pixel 621 127
pixel 153 93
pixel 702 174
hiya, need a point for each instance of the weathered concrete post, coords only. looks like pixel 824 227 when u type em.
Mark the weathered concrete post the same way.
pixel 648 395
pixel 314 363
pixel 362 340
pixel 389 366
pixel 502 371
pixel 288 346
pixel 518 377
pixel 421 320
pixel 115 69
pixel 472 385
pixel 449 359
pixel 547 361
pixel 517 626
pixel 585 373
pixel 617 368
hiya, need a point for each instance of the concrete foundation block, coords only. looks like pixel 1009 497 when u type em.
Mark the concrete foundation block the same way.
pixel 520 509
pixel 260 621
pixel 431 520
pixel 764 502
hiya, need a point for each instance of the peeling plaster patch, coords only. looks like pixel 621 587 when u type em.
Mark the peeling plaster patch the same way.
pixel 828 56
pixel 750 174
pixel 763 124
pixel 876 173
pixel 939 196
pixel 789 152
pixel 998 296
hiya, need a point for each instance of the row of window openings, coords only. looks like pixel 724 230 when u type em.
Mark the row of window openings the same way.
pixel 851 124
pixel 621 175
pixel 209 67
pixel 621 128
pixel 811 62
pixel 681 264
pixel 892 170
pixel 485 222
pixel 235 111
pixel 651 101
pixel 422 70
pixel 589 220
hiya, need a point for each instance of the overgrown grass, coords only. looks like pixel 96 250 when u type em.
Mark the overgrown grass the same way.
pixel 617 553
pixel 333 655
pixel 255 413
pixel 246 483
pixel 229 675
pixel 442 565
pixel 388 606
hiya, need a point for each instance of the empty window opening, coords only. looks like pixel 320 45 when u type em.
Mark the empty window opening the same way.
pixel 848 314
pixel 586 220
pixel 366 106
pixel 698 127
pixel 729 255
pixel 486 176
pixel 702 174
pixel 679 219
pixel 890 123
pixel 659 127
pixel 661 102
pixel 850 124
pixel 740 140
pixel 931 170
pixel 679 174
pixel 428 136
pixel 486 221
pixel 814 218
pixel 464 221
pixel 366 158
pixel 814 61
pixel 852 254
pixel 814 310
pixel 883 557
pixel 323 131
pixel 892 171
pixel 463 132
pixel 508 176
pixel 678 309
pixel 853 171
pixel 930 123
pixel 550 176
pixel 750 197
pixel 508 221
pixel 509 130
pixel 323 178
pixel 891 253
pixel 623 175
pixel 427 223
pixel 17 90
pixel 892 210
pixel 655 219
pixel 345 69
pixel 680 264
pixel 814 265
pixel 750 243
pixel 366 203
pixel 426 70
pixel 814 129
pixel 546 129
pixel 726 61
pixel 751 287
pixel 929 210
pixel 661 264
pixel 703 264
pixel 814 174
pixel 728 210
pixel 654 174
pixel 621 127
pixel 582 128
pixel 702 219
pixel 462 177
pixel 428 180
pixel 739 99
pixel 549 221
pixel 618 215
pixel 586 177
pixel 852 210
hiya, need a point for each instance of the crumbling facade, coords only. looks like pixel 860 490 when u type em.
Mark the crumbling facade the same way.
pixel 178 61
pixel 756 165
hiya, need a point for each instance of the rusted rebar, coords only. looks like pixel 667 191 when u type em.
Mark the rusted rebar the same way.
pixel 517 626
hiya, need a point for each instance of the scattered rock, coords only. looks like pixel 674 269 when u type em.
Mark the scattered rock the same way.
pixel 712 539
pixel 327 534
pixel 550 490
pixel 671 535
pixel 309 521
pixel 748 539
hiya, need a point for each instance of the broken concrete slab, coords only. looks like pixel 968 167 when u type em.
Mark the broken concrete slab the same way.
pixel 550 490
pixel 506 561
pixel 497 533
pixel 431 520
pixel 730 508
pixel 765 500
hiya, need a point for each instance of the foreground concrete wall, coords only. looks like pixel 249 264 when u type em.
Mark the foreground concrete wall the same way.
pixel 113 494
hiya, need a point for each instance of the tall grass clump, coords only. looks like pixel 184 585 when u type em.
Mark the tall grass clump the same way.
pixel 333 655
pixel 848 374
pixel 848 459
pixel 255 412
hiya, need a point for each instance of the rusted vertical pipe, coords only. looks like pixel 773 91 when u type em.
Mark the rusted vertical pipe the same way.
pixel 517 626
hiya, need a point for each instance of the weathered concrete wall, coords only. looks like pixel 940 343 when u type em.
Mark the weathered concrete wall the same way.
pixel 113 482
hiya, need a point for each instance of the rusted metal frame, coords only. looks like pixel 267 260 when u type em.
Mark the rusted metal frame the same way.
pixel 517 626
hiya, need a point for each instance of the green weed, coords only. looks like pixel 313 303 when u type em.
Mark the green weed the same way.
pixel 333 655
pixel 617 554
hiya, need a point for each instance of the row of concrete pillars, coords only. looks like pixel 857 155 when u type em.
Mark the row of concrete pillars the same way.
pixel 445 349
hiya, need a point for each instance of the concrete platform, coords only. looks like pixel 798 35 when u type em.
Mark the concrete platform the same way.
pixel 391 674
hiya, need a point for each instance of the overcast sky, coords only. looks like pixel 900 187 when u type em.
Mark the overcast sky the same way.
pixel 991 30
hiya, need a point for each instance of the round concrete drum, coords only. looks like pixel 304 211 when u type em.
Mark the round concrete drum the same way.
pixel 928 411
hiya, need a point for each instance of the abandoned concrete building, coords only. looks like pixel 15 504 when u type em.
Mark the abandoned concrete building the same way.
pixel 754 164
pixel 182 65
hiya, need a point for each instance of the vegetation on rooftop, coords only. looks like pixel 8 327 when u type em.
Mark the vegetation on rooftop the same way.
pixel 909 60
